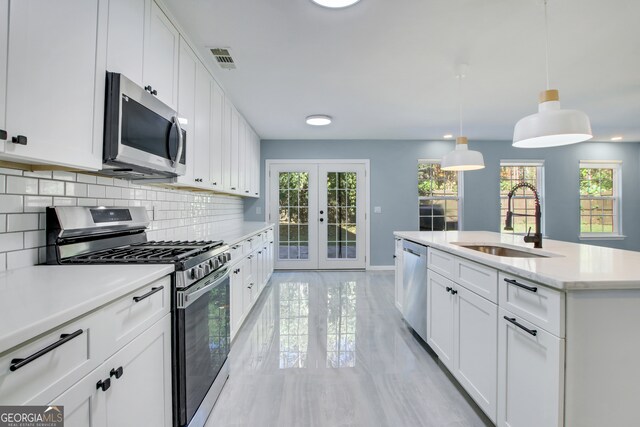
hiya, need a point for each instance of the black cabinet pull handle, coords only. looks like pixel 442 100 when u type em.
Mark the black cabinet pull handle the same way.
pixel 20 140
pixel 103 384
pixel 148 294
pixel 321 212
pixel 453 292
pixel 449 289
pixel 256 194
pixel 246 191
pixel 154 92
pixel 19 363
pixel 321 219
pixel 522 285
pixel 116 372
pixel 524 328
pixel 214 183
pixel 3 135
pixel 233 188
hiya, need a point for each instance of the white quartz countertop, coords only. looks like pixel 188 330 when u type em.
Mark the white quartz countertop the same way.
pixel 242 232
pixel 34 300
pixel 571 266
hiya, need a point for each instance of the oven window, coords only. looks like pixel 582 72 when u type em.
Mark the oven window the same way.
pixel 207 343
pixel 147 131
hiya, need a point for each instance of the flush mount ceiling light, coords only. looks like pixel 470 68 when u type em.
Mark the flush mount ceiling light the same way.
pixel 318 120
pixel 551 126
pixel 335 4
pixel 462 159
pixel 616 138
pixel 447 136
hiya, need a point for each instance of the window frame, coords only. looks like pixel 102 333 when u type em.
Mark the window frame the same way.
pixel 616 166
pixel 540 187
pixel 459 198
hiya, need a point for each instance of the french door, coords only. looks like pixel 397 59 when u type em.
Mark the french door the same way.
pixel 319 209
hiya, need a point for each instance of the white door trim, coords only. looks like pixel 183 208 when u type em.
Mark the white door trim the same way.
pixel 365 162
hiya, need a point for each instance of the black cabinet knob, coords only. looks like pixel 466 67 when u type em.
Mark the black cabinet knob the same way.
pixel 321 219
pixel 321 212
pixel 103 384
pixel 3 135
pixel 453 292
pixel 20 139
pixel 154 92
pixel 233 188
pixel 116 372
pixel 214 183
pixel 448 289
pixel 148 88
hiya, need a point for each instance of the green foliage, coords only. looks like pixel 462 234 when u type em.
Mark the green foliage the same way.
pixel 433 181
pixel 596 182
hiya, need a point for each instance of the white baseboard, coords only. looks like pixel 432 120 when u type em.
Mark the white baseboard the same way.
pixel 381 267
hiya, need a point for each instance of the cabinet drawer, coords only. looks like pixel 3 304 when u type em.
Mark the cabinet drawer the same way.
pixel 67 354
pixel 237 252
pixel 132 314
pixel 477 278
pixel 441 262
pixel 250 244
pixel 542 306
pixel 270 235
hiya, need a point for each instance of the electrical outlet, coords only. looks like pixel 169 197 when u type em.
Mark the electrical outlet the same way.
pixel 377 209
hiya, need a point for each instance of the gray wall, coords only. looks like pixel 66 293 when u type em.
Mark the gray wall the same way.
pixel 394 184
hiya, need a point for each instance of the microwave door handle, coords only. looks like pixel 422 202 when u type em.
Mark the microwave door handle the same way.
pixel 174 162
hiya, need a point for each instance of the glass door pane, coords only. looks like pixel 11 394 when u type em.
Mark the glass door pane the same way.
pixel 341 214
pixel 293 220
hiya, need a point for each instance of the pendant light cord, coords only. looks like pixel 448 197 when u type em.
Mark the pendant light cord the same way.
pixel 460 104
pixel 546 37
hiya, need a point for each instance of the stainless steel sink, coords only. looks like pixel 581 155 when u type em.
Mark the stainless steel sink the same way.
pixel 501 251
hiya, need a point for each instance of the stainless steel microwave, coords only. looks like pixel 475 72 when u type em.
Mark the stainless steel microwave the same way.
pixel 143 139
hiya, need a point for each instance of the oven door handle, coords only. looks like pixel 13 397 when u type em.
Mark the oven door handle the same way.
pixel 186 298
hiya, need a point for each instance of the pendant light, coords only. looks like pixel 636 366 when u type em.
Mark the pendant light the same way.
pixel 551 126
pixel 461 158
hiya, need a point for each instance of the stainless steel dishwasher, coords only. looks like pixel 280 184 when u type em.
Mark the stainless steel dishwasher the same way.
pixel 414 286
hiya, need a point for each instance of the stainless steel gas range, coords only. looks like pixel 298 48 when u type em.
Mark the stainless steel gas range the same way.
pixel 200 295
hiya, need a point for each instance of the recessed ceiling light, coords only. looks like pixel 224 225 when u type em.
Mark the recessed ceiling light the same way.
pixel 318 120
pixel 616 138
pixel 335 4
pixel 447 136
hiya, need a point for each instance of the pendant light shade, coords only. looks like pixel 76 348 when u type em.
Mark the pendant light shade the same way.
pixel 462 159
pixel 551 126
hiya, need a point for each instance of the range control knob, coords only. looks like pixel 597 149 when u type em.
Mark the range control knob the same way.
pixel 199 272
pixel 206 268
pixel 215 263
pixel 227 256
pixel 192 273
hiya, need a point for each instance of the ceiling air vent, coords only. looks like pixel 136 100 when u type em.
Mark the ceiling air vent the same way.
pixel 223 56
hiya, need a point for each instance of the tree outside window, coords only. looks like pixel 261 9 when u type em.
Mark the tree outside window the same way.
pixel 438 196
pixel 523 201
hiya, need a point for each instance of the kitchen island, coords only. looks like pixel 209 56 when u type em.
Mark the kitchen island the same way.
pixel 543 337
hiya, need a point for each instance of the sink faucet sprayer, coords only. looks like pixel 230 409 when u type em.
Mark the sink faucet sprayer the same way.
pixel 536 239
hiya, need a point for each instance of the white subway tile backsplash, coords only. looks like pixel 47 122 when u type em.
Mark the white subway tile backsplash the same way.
pixel 11 241
pixel 36 203
pixel 76 189
pixel 22 185
pixel 96 191
pixel 51 188
pixel 64 176
pixel 174 214
pixel 20 259
pixel 64 201
pixel 10 203
pixel 38 174
pixel 87 179
pixel 22 222
pixel 113 192
pixel 34 239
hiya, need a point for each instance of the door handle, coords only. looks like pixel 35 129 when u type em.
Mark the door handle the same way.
pixel 176 122
pixel 321 219
pixel 321 212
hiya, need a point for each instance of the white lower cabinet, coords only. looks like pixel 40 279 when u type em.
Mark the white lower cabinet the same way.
pixel 530 374
pixel 250 274
pixel 462 331
pixel 475 348
pixel 131 388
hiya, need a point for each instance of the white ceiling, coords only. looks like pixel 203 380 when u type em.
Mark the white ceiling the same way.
pixel 385 69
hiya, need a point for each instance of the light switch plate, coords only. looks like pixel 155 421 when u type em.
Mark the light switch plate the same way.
pixel 377 209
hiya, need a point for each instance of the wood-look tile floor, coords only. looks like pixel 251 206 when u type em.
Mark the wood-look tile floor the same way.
pixel 331 349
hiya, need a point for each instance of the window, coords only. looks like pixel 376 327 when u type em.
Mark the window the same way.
pixel 523 200
pixel 439 197
pixel 600 199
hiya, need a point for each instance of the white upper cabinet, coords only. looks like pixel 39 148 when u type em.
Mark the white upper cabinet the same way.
pixel 4 33
pixel 217 135
pixel 186 104
pixel 125 41
pixel 161 46
pixel 201 133
pixel 235 150
pixel 243 158
pixel 55 82
pixel 227 115
pixel 257 163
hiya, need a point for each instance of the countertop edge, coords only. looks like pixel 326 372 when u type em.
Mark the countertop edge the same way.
pixel 44 325
pixel 259 229
pixel 558 284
